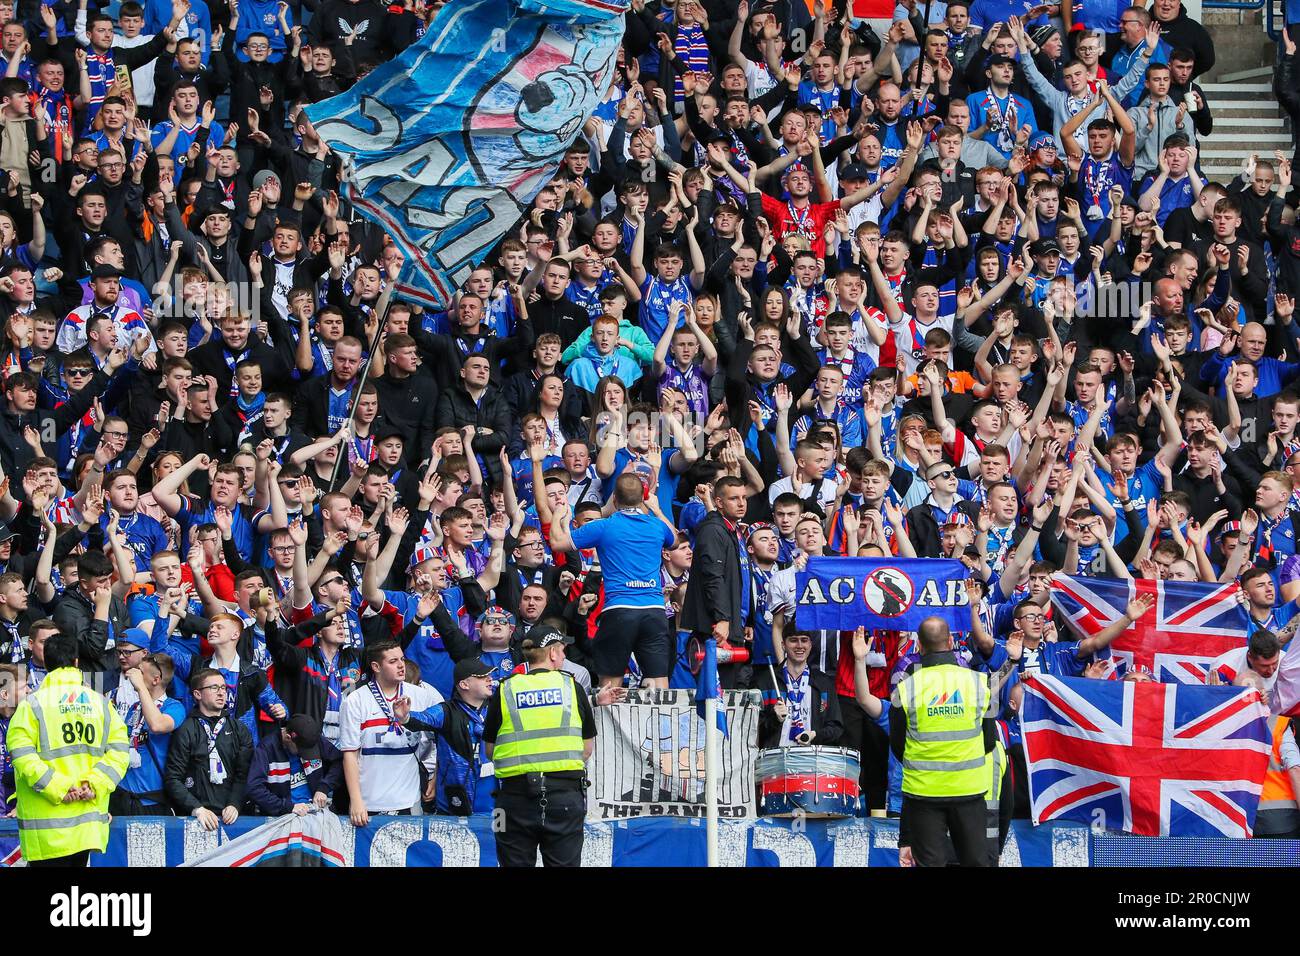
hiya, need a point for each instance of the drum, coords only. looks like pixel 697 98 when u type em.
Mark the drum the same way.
pixel 814 781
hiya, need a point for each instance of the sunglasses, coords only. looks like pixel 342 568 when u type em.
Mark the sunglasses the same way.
pixel 942 474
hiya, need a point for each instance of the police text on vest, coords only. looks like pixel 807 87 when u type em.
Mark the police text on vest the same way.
pixel 543 697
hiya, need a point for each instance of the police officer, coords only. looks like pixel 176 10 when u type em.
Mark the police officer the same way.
pixel 70 749
pixel 942 731
pixel 539 732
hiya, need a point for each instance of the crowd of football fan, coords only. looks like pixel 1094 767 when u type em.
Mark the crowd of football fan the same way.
pixel 958 290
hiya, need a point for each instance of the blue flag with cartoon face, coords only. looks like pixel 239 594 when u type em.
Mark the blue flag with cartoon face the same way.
pixel 447 145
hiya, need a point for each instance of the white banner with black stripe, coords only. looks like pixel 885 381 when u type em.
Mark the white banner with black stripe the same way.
pixel 649 758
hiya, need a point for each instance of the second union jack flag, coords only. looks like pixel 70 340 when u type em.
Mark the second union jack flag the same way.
pixel 1190 627
pixel 1145 758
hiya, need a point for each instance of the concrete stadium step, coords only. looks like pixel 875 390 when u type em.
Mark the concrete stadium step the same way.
pixel 1275 136
pixel 1264 104
pixel 1261 88
pixel 1248 122
pixel 1255 73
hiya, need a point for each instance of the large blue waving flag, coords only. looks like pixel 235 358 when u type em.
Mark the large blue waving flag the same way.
pixel 889 594
pixel 449 143
pixel 1144 757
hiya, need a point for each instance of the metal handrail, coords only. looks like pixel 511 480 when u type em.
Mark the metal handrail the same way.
pixel 1271 11
pixel 1274 10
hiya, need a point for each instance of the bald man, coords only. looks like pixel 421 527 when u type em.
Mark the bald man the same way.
pixel 1273 373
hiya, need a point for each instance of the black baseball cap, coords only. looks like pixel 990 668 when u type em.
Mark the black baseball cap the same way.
pixel 854 171
pixel 106 271
pixel 997 59
pixel 469 667
pixel 387 429
pixel 305 734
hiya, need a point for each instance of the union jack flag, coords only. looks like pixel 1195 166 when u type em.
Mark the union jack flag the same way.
pixel 1143 757
pixel 1190 628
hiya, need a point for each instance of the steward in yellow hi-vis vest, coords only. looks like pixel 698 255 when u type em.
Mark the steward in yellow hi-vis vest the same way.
pixel 70 750
pixel 942 730
pixel 539 730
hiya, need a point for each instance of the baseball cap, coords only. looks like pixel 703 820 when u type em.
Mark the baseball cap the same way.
pixel 854 171
pixel 387 430
pixel 469 667
pixel 543 635
pixel 260 178
pixel 134 636
pixel 998 59
pixel 498 612
pixel 305 734
pixel 6 532
pixel 1044 247
pixel 106 271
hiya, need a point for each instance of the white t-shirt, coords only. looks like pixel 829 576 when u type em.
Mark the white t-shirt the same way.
pixel 390 772
pixel 780 591
pixel 826 490
pixel 862 340
pixel 909 339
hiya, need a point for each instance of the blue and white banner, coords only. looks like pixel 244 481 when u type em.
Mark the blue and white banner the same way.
pixel 891 594
pixel 659 842
pixel 448 144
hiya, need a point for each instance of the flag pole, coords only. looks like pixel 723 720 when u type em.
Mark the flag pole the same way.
pixel 711 778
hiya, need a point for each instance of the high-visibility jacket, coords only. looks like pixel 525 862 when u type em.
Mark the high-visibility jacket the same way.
pixel 541 727
pixel 944 755
pixel 61 736
pixel 1277 793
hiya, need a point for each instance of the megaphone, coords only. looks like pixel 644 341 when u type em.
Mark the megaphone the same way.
pixel 727 654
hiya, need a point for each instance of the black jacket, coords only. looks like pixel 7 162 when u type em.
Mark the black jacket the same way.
pixel 825 709
pixel 75 615
pixel 714 594
pixel 311 405
pixel 457 409
pixel 566 319
pixel 409 405
pixel 210 359
pixel 185 776
pixel 274 798
pixel 15 453
pixel 923 529
pixel 447 353
pixel 299 671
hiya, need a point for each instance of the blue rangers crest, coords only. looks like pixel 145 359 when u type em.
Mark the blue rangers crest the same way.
pixel 447 145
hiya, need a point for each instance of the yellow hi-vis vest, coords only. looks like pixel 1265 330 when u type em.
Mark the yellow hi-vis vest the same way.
pixel 59 736
pixel 944 755
pixel 1278 792
pixel 541 727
